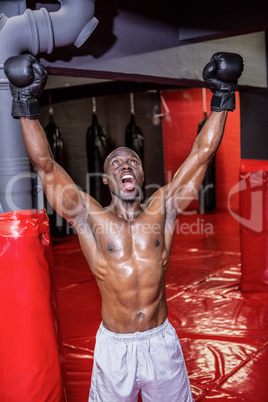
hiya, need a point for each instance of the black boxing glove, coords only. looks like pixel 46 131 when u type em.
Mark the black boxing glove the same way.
pixel 221 76
pixel 27 80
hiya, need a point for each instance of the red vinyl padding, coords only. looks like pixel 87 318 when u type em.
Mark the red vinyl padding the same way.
pixel 223 331
pixel 29 363
pixel 254 225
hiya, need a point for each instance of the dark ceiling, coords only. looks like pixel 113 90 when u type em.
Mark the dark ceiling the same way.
pixel 165 24
pixel 136 27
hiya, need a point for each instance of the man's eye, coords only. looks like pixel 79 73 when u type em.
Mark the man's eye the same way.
pixel 115 162
pixel 134 161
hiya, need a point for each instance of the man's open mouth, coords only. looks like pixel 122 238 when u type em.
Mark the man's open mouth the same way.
pixel 128 182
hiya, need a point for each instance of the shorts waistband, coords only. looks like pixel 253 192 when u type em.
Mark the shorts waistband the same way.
pixel 135 335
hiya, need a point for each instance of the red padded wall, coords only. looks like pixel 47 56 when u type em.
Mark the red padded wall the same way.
pixel 180 130
pixel 254 225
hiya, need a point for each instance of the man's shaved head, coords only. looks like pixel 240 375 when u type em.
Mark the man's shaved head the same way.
pixel 116 152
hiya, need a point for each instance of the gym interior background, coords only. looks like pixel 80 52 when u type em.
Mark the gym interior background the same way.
pixel 217 277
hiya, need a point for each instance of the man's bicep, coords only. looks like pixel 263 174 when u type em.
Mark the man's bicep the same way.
pixel 186 184
pixel 61 192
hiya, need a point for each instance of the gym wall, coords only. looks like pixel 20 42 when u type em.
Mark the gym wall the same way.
pixel 74 116
pixel 180 130
pixel 167 140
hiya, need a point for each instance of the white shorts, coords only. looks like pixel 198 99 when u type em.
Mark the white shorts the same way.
pixel 151 362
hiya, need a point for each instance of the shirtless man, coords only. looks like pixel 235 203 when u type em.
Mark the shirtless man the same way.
pixel 127 245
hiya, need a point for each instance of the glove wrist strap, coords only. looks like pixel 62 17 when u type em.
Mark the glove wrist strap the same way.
pixel 222 101
pixel 26 108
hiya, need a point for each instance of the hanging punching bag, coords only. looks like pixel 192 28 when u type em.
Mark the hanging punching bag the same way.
pixel 58 225
pixel 133 137
pixel 30 343
pixel 207 194
pixel 97 150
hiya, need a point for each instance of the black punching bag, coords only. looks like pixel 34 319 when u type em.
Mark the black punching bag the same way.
pixel 133 137
pixel 97 150
pixel 207 194
pixel 58 225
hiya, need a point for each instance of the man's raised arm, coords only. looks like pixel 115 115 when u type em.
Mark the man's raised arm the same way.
pixel 27 79
pixel 221 76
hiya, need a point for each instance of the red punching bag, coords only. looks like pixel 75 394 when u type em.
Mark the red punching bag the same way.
pixel 29 344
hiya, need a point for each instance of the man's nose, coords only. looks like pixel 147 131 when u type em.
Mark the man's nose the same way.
pixel 125 166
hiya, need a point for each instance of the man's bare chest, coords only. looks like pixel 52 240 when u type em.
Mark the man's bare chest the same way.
pixel 118 237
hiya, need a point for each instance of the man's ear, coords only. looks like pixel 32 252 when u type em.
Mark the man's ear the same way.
pixel 105 179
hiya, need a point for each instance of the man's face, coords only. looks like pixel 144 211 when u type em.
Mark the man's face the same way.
pixel 123 173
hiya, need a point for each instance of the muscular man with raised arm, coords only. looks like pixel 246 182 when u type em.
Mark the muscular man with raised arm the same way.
pixel 127 245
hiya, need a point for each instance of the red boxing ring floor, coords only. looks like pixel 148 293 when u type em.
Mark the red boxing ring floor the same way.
pixel 223 333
